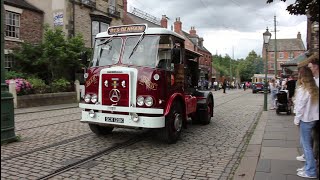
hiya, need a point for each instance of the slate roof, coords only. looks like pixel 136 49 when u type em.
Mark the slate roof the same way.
pixel 133 19
pixel 296 60
pixel 22 4
pixel 195 43
pixel 287 45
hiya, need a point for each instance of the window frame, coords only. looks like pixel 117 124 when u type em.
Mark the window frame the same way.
pixel 8 64
pixel 281 55
pixel 15 26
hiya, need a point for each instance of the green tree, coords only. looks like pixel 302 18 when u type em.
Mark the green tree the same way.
pixel 57 57
pixel 251 65
pixel 302 7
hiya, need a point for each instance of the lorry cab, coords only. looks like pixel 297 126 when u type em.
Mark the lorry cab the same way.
pixel 140 77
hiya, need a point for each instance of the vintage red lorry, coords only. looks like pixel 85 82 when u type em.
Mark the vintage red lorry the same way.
pixel 142 77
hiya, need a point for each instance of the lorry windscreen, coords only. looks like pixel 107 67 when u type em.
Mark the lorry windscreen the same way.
pixel 106 52
pixel 145 53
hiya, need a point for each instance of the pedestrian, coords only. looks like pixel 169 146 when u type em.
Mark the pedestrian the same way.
pixel 284 84
pixel 224 86
pixel 274 90
pixel 215 85
pixel 314 67
pixel 244 86
pixel 307 114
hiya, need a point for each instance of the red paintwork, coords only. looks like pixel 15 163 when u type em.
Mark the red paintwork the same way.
pixel 191 104
pixel 164 90
pixel 170 101
pixel 124 91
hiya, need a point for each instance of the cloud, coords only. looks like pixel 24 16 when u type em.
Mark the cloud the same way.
pixel 229 24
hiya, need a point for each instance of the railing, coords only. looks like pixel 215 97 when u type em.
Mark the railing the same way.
pixel 89 3
pixel 112 11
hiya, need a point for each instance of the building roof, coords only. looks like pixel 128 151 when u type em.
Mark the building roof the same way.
pixel 133 19
pixel 187 35
pixel 287 45
pixel 22 4
pixel 296 60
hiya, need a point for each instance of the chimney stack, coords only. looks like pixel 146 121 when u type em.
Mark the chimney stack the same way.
pixel 177 25
pixel 164 21
pixel 298 35
pixel 193 31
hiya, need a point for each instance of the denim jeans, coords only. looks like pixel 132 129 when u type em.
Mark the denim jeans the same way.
pixel 306 140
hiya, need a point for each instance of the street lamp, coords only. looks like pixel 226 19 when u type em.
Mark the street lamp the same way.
pixel 266 38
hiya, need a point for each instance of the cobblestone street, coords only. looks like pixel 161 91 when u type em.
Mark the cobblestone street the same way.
pixel 52 140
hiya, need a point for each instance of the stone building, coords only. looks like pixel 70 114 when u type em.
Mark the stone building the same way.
pixel 86 17
pixel 23 22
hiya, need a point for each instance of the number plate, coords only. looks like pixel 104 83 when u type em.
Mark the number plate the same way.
pixel 113 119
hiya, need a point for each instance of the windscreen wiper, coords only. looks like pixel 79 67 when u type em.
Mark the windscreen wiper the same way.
pixel 135 47
pixel 106 41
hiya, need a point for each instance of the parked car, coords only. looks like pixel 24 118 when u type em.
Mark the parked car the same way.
pixel 259 87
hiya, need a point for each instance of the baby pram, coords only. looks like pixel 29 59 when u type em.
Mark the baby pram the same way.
pixel 283 103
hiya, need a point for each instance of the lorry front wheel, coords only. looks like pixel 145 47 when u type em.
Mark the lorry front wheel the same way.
pixel 173 125
pixel 100 130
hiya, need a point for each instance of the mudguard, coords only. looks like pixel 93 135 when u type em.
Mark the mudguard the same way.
pixel 202 99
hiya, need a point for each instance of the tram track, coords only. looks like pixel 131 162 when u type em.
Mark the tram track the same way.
pixel 66 141
pixel 44 110
pixel 48 125
pixel 30 120
pixel 94 156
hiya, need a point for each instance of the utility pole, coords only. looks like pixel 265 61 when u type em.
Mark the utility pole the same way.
pixel 7 115
pixel 230 65
pixel 275 48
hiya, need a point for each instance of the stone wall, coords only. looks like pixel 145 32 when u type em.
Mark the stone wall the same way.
pixel 34 100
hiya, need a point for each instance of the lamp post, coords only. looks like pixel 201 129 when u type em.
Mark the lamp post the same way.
pixel 7 114
pixel 266 38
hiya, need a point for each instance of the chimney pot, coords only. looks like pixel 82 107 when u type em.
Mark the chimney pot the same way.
pixel 177 25
pixel 164 21
pixel 299 35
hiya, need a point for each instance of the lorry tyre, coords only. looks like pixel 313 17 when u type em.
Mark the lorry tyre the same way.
pixel 100 130
pixel 173 125
pixel 205 115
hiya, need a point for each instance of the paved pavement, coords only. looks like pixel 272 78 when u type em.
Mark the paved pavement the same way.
pixel 270 153
pixel 272 150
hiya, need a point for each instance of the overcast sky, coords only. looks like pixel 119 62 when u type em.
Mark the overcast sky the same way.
pixel 232 27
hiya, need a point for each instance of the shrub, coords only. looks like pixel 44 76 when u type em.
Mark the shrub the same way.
pixel 38 85
pixel 14 75
pixel 60 85
pixel 23 87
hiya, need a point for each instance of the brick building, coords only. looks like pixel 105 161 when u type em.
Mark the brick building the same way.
pixel 287 49
pixel 23 23
pixel 86 17
pixel 193 43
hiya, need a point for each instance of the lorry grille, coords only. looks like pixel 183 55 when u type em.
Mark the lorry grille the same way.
pixel 114 92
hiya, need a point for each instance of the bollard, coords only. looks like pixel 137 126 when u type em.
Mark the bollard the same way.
pixel 77 87
pixel 13 91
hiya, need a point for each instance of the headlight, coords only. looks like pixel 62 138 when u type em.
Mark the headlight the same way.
pixel 148 101
pixel 94 98
pixel 87 98
pixel 140 101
